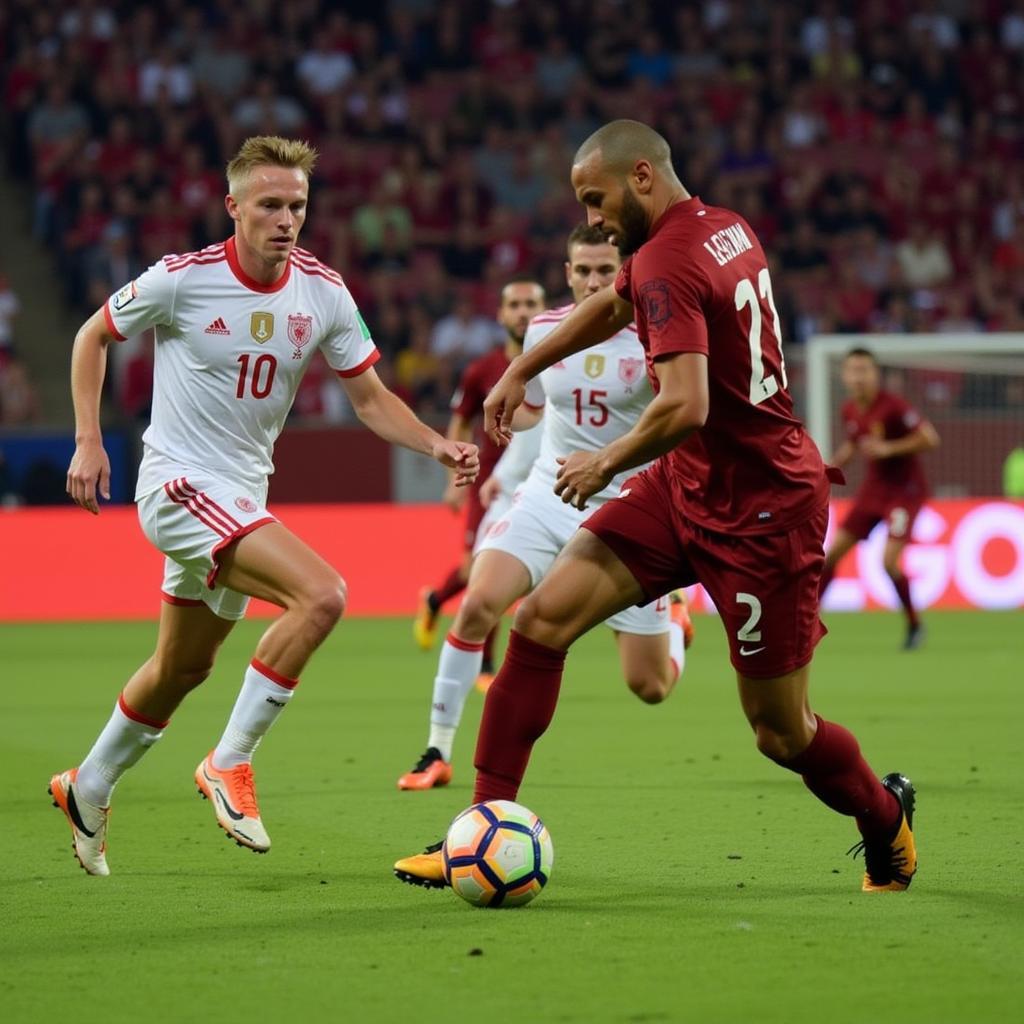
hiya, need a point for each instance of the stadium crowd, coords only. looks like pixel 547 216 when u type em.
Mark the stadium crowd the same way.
pixel 875 147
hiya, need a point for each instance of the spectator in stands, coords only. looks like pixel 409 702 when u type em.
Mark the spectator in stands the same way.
pixel 464 334
pixel 19 403
pixel 9 309
pixel 892 144
pixel 922 258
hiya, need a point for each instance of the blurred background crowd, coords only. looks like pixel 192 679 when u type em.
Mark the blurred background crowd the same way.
pixel 875 147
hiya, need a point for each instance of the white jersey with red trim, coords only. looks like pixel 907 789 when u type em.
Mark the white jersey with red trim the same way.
pixel 590 399
pixel 230 353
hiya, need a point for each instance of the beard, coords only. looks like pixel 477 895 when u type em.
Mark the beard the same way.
pixel 635 226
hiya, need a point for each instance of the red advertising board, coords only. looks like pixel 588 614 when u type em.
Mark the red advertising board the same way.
pixel 61 564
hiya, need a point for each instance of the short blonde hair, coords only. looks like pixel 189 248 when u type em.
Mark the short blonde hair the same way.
pixel 261 150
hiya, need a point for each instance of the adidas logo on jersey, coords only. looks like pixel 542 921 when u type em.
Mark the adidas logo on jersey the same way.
pixel 217 327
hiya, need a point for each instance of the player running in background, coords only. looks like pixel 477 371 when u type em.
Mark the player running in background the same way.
pixel 890 434
pixel 236 326
pixel 521 300
pixel 737 499
pixel 584 402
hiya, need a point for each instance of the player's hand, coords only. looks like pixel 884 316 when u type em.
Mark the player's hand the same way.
pixel 461 457
pixel 875 447
pixel 580 477
pixel 88 473
pixel 490 489
pixel 506 396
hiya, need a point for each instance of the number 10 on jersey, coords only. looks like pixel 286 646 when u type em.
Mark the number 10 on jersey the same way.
pixel 261 380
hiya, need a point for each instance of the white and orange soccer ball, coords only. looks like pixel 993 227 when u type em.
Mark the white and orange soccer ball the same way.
pixel 498 854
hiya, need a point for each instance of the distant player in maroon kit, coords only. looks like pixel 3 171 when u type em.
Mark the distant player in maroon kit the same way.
pixel 521 301
pixel 890 434
pixel 738 499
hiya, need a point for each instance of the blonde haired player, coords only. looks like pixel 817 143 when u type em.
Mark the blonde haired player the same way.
pixel 586 401
pixel 236 325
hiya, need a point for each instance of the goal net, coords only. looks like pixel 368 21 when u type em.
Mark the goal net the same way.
pixel 970 386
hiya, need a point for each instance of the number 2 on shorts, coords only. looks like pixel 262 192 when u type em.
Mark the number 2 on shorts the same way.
pixel 748 632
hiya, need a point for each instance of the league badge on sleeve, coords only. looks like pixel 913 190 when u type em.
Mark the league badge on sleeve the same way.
pixel 300 330
pixel 124 296
pixel 654 294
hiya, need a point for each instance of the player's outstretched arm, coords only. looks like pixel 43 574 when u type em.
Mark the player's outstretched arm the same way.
pixel 678 409
pixel 390 418
pixel 924 438
pixel 89 471
pixel 594 320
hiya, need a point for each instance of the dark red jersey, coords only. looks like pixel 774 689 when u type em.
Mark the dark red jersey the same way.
pixel 468 402
pixel 700 283
pixel 889 418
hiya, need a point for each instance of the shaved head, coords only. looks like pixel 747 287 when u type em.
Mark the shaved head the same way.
pixel 622 143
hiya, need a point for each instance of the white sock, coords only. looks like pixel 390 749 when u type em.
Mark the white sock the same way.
pixel 124 739
pixel 676 647
pixel 262 698
pixel 457 669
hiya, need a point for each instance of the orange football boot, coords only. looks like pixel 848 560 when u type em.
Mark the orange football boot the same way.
pixel 890 864
pixel 429 771
pixel 679 610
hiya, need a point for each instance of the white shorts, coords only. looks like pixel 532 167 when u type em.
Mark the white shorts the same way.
pixel 497 508
pixel 536 528
pixel 191 520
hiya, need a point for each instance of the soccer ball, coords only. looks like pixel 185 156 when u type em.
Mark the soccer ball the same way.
pixel 497 854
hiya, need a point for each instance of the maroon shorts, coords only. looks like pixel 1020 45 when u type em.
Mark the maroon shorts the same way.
pixel 764 585
pixel 898 511
pixel 474 515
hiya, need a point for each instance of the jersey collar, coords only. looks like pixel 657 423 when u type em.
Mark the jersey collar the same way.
pixel 245 279
pixel 684 208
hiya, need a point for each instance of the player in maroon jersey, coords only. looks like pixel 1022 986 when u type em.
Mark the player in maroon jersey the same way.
pixel 521 301
pixel 737 499
pixel 890 434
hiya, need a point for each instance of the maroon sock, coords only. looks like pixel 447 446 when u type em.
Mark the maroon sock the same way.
pixel 835 772
pixel 902 585
pixel 453 584
pixel 489 645
pixel 826 578
pixel 519 707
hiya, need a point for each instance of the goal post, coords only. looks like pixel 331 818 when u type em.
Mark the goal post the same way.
pixel 971 386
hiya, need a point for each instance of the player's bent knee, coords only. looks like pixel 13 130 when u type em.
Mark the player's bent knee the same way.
pixel 648 689
pixel 778 746
pixel 325 604
pixel 477 616
pixel 537 623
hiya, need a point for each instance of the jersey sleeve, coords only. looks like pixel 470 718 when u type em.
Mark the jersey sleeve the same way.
pixel 903 417
pixel 142 303
pixel 518 458
pixel 534 389
pixel 347 346
pixel 671 299
pixel 468 399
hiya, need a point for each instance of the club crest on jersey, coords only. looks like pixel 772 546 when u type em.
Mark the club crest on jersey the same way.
pixel 300 330
pixel 246 504
pixel 654 294
pixel 630 369
pixel 593 366
pixel 261 327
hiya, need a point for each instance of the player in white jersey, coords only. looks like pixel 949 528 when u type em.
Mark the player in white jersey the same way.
pixel 583 403
pixel 235 325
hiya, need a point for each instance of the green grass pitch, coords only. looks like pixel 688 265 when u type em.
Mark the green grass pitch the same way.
pixel 693 880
